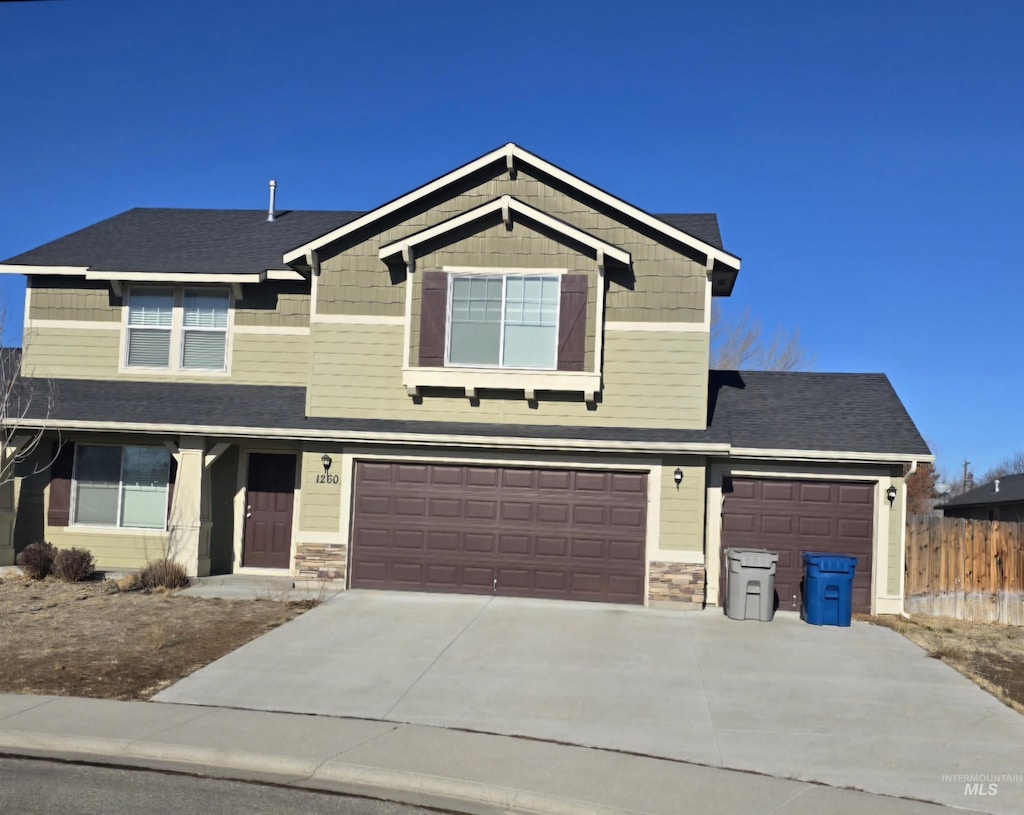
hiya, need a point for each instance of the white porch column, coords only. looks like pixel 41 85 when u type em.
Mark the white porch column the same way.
pixel 189 523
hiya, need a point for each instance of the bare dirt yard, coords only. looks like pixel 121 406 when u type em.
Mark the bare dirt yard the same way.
pixel 990 654
pixel 92 639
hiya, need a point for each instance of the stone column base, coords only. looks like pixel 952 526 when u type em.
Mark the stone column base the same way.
pixel 321 561
pixel 677 585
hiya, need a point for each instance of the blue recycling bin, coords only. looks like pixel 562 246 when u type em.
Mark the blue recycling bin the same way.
pixel 828 588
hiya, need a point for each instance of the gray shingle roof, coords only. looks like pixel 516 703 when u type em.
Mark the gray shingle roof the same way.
pixel 760 410
pixel 259 406
pixel 702 225
pixel 791 410
pixel 1011 491
pixel 209 241
pixel 199 241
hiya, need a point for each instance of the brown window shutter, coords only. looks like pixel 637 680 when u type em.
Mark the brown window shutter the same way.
pixel 172 475
pixel 59 511
pixel 572 323
pixel 433 319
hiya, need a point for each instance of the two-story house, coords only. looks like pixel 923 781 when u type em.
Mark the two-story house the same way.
pixel 495 383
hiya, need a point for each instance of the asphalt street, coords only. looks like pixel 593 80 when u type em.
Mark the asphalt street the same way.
pixel 39 787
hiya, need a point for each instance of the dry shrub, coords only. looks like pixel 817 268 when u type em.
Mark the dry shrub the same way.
pixel 949 652
pixel 164 574
pixel 129 582
pixel 73 565
pixel 36 560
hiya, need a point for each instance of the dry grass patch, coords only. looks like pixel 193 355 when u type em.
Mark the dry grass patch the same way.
pixel 98 639
pixel 990 654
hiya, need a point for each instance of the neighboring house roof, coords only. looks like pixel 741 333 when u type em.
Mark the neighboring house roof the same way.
pixel 748 411
pixel 1011 491
pixel 220 241
pixel 791 410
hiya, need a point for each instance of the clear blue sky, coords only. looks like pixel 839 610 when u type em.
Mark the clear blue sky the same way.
pixel 866 158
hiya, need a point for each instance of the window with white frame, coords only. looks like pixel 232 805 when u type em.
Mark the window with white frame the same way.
pixel 504 321
pixel 177 329
pixel 204 330
pixel 150 323
pixel 121 486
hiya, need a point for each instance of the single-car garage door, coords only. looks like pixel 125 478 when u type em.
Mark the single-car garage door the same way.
pixel 793 517
pixel 529 532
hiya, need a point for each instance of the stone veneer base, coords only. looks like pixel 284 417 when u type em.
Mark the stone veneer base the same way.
pixel 321 561
pixel 680 585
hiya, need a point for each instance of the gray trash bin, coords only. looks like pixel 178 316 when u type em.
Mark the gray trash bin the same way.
pixel 750 584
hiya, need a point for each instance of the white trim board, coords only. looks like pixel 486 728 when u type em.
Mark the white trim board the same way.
pixel 506 204
pixel 357 319
pixel 152 277
pixel 510 155
pixel 84 325
pixel 295 330
pixel 618 325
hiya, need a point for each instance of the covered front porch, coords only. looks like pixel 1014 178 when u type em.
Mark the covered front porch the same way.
pixel 217 505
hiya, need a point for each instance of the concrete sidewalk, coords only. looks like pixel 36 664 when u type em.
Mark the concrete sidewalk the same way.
pixel 415 764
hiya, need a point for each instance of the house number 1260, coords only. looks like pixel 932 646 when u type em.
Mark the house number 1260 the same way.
pixel 326 478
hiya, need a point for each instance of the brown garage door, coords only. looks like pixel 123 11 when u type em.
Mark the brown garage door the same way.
pixel 569 534
pixel 793 517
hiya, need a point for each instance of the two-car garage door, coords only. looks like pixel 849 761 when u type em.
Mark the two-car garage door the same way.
pixel 530 532
pixel 792 517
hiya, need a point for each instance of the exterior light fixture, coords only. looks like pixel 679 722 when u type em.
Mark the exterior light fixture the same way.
pixel 891 495
pixel 677 476
pixel 326 461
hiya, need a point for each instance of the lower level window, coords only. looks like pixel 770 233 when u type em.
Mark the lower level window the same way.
pixel 121 486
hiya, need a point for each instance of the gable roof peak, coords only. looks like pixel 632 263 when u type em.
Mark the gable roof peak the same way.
pixel 512 155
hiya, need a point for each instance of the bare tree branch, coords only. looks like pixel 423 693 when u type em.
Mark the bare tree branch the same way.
pixel 1012 465
pixel 20 399
pixel 740 344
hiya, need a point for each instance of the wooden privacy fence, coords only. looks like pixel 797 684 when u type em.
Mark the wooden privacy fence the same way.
pixel 971 570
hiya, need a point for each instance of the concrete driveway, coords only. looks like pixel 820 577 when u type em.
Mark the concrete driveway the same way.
pixel 857 707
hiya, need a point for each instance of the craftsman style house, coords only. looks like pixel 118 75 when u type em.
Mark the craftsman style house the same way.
pixel 496 383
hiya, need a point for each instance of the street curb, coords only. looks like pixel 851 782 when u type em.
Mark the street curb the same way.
pixel 332 775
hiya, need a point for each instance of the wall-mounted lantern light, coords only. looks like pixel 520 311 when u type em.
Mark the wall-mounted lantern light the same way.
pixel 677 476
pixel 326 461
pixel 891 495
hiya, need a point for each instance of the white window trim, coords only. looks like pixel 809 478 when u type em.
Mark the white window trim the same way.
pixel 503 275
pixel 73 519
pixel 174 365
pixel 471 379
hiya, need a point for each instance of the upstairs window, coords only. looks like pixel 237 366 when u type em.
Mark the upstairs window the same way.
pixel 508 321
pixel 177 329
pixel 150 321
pixel 205 330
pixel 525 322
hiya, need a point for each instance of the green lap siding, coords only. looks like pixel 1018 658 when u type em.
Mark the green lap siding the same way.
pixel 320 509
pixel 652 379
pixel 73 353
pixel 682 508
pixel 896 522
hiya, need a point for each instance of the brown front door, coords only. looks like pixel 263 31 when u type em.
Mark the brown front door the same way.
pixel 566 534
pixel 270 496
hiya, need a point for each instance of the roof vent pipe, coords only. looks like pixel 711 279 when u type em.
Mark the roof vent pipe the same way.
pixel 997 485
pixel 273 190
